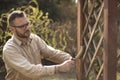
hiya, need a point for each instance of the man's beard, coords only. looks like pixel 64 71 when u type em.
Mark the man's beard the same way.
pixel 23 35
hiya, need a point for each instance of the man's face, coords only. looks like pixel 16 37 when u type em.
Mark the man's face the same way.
pixel 21 27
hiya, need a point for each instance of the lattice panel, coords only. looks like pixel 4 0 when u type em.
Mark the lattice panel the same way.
pixel 93 39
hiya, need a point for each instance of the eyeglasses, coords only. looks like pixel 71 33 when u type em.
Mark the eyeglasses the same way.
pixel 23 26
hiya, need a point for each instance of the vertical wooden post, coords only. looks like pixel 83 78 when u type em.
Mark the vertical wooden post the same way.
pixel 110 39
pixel 79 38
pixel 78 25
pixel 78 73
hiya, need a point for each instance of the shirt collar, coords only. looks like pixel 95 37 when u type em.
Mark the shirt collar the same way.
pixel 20 42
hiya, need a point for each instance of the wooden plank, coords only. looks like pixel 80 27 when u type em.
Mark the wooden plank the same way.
pixel 110 39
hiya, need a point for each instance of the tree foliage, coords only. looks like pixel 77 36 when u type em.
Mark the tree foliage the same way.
pixel 59 10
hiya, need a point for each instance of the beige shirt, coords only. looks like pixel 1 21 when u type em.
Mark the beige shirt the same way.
pixel 23 61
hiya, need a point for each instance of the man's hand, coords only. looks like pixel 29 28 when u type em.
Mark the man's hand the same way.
pixel 65 66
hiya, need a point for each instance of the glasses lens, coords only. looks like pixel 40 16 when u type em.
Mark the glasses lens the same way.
pixel 22 26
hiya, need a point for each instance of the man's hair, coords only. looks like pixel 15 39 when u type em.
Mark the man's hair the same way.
pixel 14 15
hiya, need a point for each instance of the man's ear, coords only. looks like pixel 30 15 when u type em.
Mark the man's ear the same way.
pixel 11 29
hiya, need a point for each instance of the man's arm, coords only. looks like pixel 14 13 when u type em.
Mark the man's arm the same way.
pixel 50 53
pixel 18 62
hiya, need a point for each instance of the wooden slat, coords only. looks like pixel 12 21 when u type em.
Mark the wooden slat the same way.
pixel 100 72
pixel 85 5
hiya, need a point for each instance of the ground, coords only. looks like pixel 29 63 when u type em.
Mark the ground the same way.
pixel 62 76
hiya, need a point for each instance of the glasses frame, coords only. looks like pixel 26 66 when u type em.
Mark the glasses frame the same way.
pixel 23 26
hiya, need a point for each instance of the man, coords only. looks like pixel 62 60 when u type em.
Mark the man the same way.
pixel 23 52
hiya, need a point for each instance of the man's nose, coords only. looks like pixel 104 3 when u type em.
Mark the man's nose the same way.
pixel 27 27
